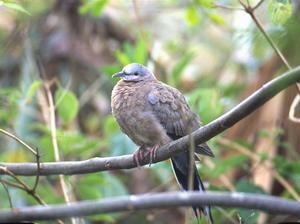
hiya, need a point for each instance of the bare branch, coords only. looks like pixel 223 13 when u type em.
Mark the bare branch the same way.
pixel 203 134
pixel 261 202
pixel 18 140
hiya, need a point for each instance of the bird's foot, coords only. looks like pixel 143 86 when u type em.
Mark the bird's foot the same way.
pixel 153 151
pixel 138 156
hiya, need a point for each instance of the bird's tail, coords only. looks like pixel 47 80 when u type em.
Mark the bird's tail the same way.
pixel 180 163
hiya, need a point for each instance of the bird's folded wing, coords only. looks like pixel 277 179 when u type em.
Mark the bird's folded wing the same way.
pixel 172 111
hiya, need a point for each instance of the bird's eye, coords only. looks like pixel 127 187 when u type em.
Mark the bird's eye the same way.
pixel 135 74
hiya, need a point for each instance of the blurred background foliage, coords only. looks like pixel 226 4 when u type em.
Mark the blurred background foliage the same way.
pixel 209 49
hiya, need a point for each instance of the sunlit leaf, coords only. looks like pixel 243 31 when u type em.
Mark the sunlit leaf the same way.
pixel 206 3
pixel 192 16
pixel 140 51
pixel 206 102
pixel 95 7
pixel 280 11
pixel 67 105
pixel 32 90
pixel 15 6
pixel 122 58
pixel 216 18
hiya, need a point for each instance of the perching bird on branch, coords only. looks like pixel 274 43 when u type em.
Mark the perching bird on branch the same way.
pixel 152 114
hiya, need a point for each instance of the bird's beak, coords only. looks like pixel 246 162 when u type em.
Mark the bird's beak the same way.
pixel 119 74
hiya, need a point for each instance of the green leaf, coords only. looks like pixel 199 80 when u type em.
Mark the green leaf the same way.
pixel 192 16
pixel 32 90
pixel 15 6
pixel 205 3
pixel 216 18
pixel 140 53
pixel 207 102
pixel 95 7
pixel 112 186
pixel 122 58
pixel 280 11
pixel 227 164
pixel 110 125
pixel 121 145
pixel 77 144
pixel 67 104
pixel 109 70
pixel 88 187
pixel 180 66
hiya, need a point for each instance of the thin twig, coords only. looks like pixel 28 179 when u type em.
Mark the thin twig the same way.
pixel 18 140
pixel 257 5
pixel 243 4
pixel 12 184
pixel 38 165
pixel 268 38
pixel 52 124
pixel 8 195
pixel 248 3
pixel 25 187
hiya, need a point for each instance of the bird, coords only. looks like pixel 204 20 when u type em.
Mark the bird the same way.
pixel 152 113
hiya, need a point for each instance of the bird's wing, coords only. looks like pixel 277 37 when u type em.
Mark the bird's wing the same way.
pixel 172 110
pixel 174 114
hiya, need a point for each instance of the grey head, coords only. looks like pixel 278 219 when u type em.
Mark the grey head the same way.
pixel 135 73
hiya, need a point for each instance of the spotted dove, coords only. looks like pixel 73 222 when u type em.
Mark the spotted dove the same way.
pixel 152 114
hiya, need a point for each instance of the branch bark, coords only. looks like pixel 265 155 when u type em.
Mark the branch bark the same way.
pixel 203 134
pixel 265 203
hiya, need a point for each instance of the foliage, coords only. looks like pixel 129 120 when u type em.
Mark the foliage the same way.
pixel 280 11
pixel 14 6
pixel 95 7
pixel 67 105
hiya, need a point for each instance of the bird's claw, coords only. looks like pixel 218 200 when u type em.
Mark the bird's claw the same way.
pixel 153 151
pixel 141 153
pixel 138 156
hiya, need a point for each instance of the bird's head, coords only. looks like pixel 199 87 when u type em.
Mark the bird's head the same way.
pixel 135 73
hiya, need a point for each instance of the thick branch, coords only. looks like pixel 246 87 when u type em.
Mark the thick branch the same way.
pixel 265 203
pixel 203 134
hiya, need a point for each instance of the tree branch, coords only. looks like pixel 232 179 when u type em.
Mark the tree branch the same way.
pixel 203 134
pixel 265 203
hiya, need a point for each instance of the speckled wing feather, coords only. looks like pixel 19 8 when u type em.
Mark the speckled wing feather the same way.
pixel 174 114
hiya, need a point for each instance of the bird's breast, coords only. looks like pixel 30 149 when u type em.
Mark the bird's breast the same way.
pixel 134 115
